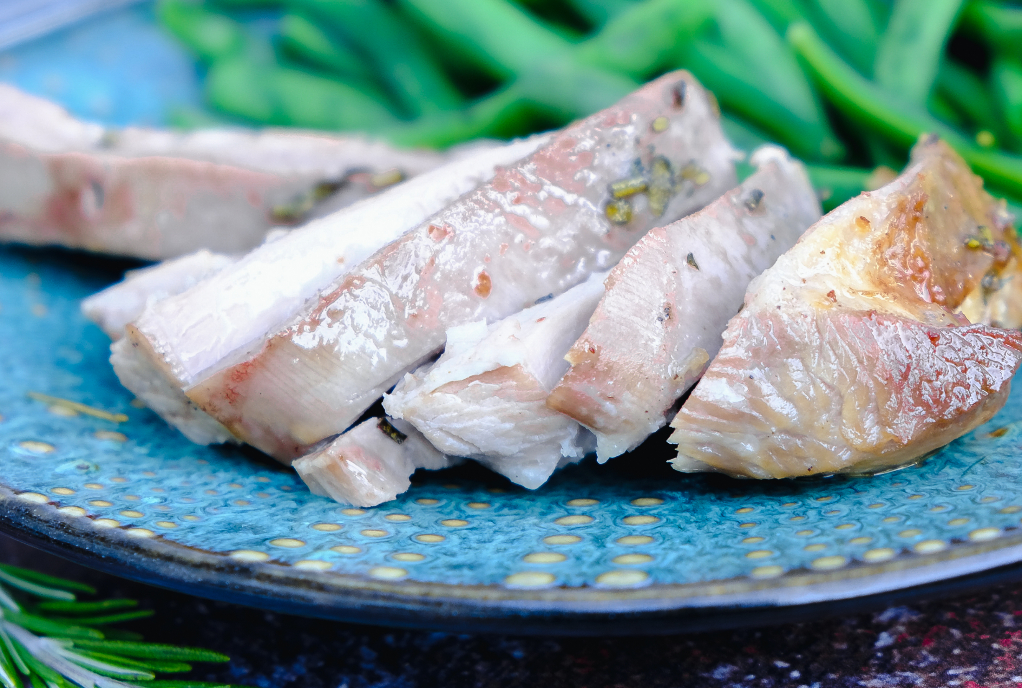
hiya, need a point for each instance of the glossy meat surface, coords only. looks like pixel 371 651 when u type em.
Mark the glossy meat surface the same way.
pixel 539 227
pixel 186 335
pixel 851 353
pixel 370 464
pixel 117 305
pixel 669 300
pixel 485 398
pixel 157 194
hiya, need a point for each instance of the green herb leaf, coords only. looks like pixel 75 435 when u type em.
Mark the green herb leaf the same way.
pixel 103 620
pixel 148 665
pixel 151 650
pixel 43 579
pixel 57 629
pixel 85 607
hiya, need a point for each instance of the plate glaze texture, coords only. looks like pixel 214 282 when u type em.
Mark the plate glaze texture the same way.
pixel 600 547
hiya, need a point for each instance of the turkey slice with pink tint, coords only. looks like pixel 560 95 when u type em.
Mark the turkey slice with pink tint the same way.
pixel 851 353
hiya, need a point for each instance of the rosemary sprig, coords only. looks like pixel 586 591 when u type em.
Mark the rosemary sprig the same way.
pixel 48 639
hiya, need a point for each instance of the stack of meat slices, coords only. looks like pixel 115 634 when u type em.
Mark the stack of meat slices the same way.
pixel 532 303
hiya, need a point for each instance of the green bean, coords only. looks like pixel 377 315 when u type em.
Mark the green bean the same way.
pixel 209 35
pixel 248 4
pixel 566 91
pixel 1006 82
pixel 728 77
pixel 599 12
pixel 641 39
pixel 967 93
pixel 909 53
pixel 305 40
pixel 289 97
pixel 498 36
pixel 851 26
pixel 772 65
pixel 836 185
pixel 865 102
pixel 1000 25
pixel 502 115
pixel 781 13
pixel 400 57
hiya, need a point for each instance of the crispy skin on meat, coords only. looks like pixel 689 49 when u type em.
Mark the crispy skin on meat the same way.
pixel 851 353
pixel 539 227
pixel 669 299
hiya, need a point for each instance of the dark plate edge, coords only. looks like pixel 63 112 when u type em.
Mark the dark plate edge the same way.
pixel 581 611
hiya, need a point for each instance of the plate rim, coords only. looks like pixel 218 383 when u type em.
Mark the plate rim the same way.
pixel 654 608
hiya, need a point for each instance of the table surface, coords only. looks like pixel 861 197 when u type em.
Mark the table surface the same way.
pixel 972 641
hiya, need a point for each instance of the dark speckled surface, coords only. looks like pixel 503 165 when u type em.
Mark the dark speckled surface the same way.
pixel 972 641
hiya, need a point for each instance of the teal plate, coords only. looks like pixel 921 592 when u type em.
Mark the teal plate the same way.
pixel 627 547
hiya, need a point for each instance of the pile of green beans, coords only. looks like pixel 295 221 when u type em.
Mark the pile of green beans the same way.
pixel 846 85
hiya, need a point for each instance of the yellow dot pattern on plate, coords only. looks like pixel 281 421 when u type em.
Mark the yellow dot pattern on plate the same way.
pixel 62 411
pixel 353 512
pixel 33 497
pixel 878 554
pixel 561 539
pixel 345 549
pixel 863 540
pixel 106 523
pixel 454 522
pixel 805 533
pixel 62 491
pixel 74 511
pixel 647 501
pixel 748 525
pixel 530 579
pixel 249 555
pixel 744 510
pixel 829 563
pixel 313 565
pixel 578 520
pixel 544 558
pixel 94 486
pixel 397 518
pixel 388 572
pixel 37 447
pixel 375 533
pixel 326 527
pixel 169 525
pixel 478 505
pixel 110 436
pixel 583 502
pixel 759 554
pixel 892 519
pixel 982 534
pixel 815 547
pixel 190 517
pixel 910 533
pixel 430 538
pixel 640 520
pixel 929 546
pixel 408 556
pixel 962 488
pixel 131 513
pixel 753 540
pixel 844 526
pixel 427 501
pixel 100 502
pixel 764 572
pixel 1011 509
pixel 624 578
pixel 139 533
pixel 118 479
pixel 958 522
pixel 633 540
pixel 632 559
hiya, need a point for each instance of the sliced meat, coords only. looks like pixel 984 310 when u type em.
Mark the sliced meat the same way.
pixel 370 464
pixel 541 226
pixel 485 398
pixel 177 340
pixel 669 300
pixel 156 194
pixel 851 353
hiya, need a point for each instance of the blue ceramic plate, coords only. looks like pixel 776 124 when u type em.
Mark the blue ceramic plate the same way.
pixel 626 547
